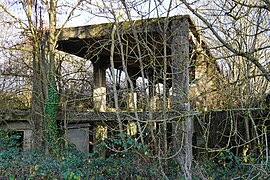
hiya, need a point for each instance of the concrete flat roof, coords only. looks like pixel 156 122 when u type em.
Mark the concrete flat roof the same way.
pixel 93 41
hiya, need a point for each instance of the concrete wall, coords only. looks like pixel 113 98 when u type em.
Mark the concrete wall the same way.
pixel 80 138
pixel 23 126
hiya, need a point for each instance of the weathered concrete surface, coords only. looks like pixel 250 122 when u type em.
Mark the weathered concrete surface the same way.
pixel 14 115
pixel 80 138
pixel 181 94
pixel 27 139
pixel 132 99
pixel 80 124
pixel 99 92
pixel 104 30
pixel 93 41
pixel 73 117
pixel 18 120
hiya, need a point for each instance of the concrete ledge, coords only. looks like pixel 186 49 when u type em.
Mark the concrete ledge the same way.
pixel 99 31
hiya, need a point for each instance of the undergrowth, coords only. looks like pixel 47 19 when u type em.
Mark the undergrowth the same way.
pixel 73 164
pixel 124 159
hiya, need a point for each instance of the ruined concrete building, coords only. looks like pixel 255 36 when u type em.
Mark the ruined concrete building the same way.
pixel 169 51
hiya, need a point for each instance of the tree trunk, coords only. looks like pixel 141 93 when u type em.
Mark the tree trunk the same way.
pixel 37 102
pixel 51 102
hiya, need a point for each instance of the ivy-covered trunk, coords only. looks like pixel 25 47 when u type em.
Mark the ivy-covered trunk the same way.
pixel 51 101
pixel 50 116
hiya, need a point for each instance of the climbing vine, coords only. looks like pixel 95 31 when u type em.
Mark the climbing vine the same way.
pixel 50 115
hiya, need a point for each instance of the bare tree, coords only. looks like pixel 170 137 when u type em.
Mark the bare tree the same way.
pixel 238 34
pixel 43 42
pixel 241 27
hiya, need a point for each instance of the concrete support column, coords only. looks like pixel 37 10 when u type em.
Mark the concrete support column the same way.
pixel 202 85
pixel 152 94
pixel 99 92
pixel 131 128
pixel 155 103
pixel 169 97
pixel 201 69
pixel 132 96
pixel 27 140
pixel 180 65
pixel 100 134
pixel 180 93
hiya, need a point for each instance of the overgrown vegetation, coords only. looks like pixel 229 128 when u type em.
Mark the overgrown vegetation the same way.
pixel 135 163
pixel 73 164
pixel 156 76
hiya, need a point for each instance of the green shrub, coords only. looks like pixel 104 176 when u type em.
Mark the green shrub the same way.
pixel 126 159
pixel 72 164
pixel 229 166
pixel 129 160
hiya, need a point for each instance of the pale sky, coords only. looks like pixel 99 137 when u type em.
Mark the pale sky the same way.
pixel 86 18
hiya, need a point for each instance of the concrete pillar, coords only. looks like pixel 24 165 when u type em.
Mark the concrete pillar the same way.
pixel 180 65
pixel 203 85
pixel 27 140
pixel 131 129
pixel 201 69
pixel 99 92
pixel 132 96
pixel 152 93
pixel 101 133
pixel 169 97
pixel 180 92
pixel 155 103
